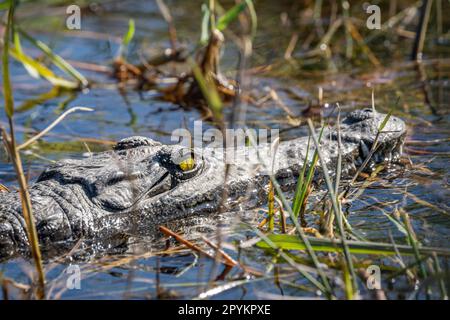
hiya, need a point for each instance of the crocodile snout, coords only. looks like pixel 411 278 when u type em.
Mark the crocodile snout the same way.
pixel 359 115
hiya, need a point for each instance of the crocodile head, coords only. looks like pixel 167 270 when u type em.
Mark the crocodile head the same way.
pixel 145 175
pixel 136 170
pixel 144 183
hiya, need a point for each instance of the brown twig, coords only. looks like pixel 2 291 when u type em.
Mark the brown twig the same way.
pixel 187 243
pixel 168 17
pixel 230 261
pixel 421 30
pixel 26 208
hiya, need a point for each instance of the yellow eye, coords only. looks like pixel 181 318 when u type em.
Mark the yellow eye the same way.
pixel 187 164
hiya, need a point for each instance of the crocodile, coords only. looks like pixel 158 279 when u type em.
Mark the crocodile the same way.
pixel 142 184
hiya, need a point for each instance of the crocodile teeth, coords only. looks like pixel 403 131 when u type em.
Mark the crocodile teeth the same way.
pixel 364 149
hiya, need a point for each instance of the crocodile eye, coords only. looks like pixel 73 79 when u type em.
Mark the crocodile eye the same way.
pixel 187 164
pixel 180 163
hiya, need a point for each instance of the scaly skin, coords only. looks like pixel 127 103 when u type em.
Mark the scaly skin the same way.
pixel 137 186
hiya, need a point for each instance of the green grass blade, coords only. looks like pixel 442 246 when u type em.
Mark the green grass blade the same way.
pixel 271 206
pixel 414 243
pixel 271 244
pixel 230 16
pixel 208 89
pixel 442 286
pixel 57 60
pixel 385 121
pixel 399 226
pixel 204 36
pixel 335 204
pixel 31 71
pixel 127 38
pixel 4 5
pixel 296 204
pixel 253 17
pixel 7 91
pixel 292 242
pixel 373 149
pixel 42 70
pixel 299 230
pixel 130 33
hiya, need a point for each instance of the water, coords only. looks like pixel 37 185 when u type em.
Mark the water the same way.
pixel 138 272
